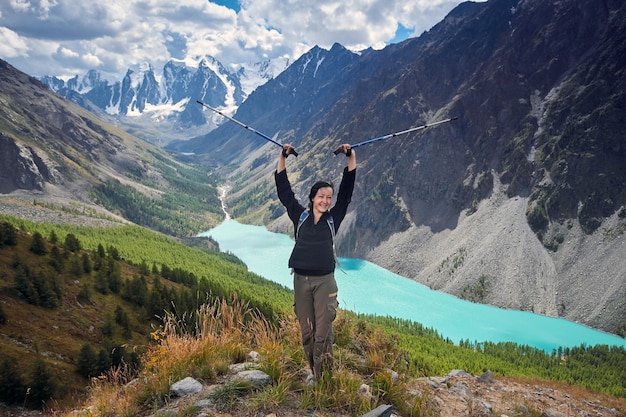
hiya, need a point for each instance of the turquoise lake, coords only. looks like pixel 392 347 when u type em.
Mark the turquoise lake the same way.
pixel 369 289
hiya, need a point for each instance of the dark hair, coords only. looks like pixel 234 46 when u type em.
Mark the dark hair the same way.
pixel 315 189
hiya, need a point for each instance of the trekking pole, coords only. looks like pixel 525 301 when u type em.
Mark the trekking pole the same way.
pixel 391 135
pixel 264 136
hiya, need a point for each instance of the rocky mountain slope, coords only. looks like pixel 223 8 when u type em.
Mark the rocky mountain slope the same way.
pixel 520 203
pixel 60 157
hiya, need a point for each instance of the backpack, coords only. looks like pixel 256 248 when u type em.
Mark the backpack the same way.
pixel 331 226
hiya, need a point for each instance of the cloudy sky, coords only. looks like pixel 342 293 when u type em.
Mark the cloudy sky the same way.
pixel 68 37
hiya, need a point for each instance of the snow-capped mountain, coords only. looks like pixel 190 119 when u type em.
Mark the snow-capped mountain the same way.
pixel 163 103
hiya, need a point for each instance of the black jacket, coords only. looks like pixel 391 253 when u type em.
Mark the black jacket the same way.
pixel 313 252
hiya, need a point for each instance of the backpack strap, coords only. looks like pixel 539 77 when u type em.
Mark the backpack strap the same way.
pixel 331 225
pixel 303 217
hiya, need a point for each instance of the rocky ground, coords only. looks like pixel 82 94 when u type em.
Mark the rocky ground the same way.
pixel 457 394
pixel 460 394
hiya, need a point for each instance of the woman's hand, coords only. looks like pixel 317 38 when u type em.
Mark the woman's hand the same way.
pixel 287 150
pixel 347 150
pixel 284 153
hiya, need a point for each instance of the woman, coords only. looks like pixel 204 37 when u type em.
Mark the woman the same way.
pixel 313 257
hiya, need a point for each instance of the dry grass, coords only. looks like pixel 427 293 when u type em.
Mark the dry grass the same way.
pixel 224 333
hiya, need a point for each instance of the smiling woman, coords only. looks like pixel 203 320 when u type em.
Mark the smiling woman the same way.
pixel 313 257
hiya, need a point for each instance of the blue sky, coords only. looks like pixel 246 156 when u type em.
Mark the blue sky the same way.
pixel 66 37
pixel 402 33
pixel 231 4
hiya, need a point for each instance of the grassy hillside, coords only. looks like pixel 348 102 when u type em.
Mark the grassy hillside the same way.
pixel 63 286
pixel 113 282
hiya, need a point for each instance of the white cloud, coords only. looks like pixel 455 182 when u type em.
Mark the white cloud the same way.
pixel 19 5
pixel 60 36
pixel 11 45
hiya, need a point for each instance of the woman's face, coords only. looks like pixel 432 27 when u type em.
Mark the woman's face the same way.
pixel 323 199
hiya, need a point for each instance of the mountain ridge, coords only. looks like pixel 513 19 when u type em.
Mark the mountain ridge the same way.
pixel 144 96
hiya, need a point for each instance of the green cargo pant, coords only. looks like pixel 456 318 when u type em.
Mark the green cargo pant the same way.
pixel 315 304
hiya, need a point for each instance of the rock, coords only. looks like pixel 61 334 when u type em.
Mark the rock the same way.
pixel 435 381
pixel 462 391
pixel 458 372
pixel 380 411
pixel 394 376
pixel 481 408
pixel 185 386
pixel 203 404
pixel 487 378
pixel 239 367
pixel 254 356
pixel 550 412
pixel 166 413
pixel 256 377
pixel 365 391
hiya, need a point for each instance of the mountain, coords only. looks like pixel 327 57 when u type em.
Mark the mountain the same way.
pixel 68 172
pixel 161 105
pixel 58 159
pixel 520 203
pixel 285 102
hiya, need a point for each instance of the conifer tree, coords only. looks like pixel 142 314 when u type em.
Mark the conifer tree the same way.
pixel 116 354
pixel 103 362
pixel 25 285
pixel 136 291
pixel 84 294
pixel 101 282
pixel 56 259
pixel 166 272
pixel 76 266
pixel 87 265
pixel 108 327
pixel 42 386
pixel 98 258
pixel 86 364
pixel 12 389
pixel 115 276
pixel 143 268
pixel 155 307
pixel 3 316
pixel 8 234
pixel 38 244
pixel 121 317
pixel 48 289
pixel 72 244
pixel 101 253
pixel 114 253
